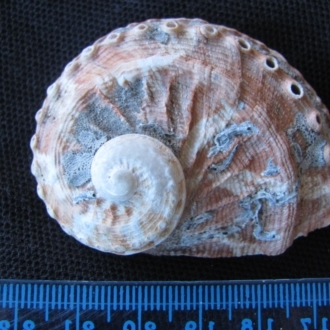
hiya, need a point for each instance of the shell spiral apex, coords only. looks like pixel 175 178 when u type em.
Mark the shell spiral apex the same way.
pixel 141 173
pixel 180 137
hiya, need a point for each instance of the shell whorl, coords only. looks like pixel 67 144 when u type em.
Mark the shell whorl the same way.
pixel 140 174
pixel 251 136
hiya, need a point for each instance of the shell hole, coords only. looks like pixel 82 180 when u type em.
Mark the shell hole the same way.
pixel 142 27
pixel 244 44
pixel 271 63
pixel 171 25
pixel 314 120
pixel 113 36
pixel 210 29
pixel 101 40
pixel 73 65
pixel 88 50
pixel 296 89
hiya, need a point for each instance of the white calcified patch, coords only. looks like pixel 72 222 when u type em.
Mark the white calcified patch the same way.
pixel 153 63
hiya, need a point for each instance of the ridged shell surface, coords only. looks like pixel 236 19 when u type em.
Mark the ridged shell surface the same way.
pixel 247 141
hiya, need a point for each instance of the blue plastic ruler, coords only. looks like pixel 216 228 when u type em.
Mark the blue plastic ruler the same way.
pixel 241 305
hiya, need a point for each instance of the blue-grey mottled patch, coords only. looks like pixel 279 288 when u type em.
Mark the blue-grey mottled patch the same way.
pixel 84 196
pixel 77 167
pixel 252 207
pixel 272 169
pixel 155 33
pixel 128 99
pixel 101 119
pixel 225 138
pixel 91 140
pixel 217 234
pixel 98 123
pixel 157 132
pixel 196 221
pixel 312 156
pixel 77 164
pixel 226 162
pixel 241 105
pixel 262 235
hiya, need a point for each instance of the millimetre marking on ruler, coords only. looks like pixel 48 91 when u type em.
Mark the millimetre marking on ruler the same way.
pixel 90 298
pixel 194 297
pixel 16 307
pixel 29 296
pixel 77 307
pixel 139 306
pixel 22 295
pixel 206 299
pixel 145 300
pixel 247 294
pixel 229 302
pixel 298 294
pixel 4 295
pixel 224 297
pixel 71 296
pixel 59 297
pixel 114 305
pixel 121 294
pixel 259 306
pixel 314 307
pixel 287 300
pixel 164 298
pixel 102 297
pixel 47 303
pixel 96 292
pixel 200 295
pixel 127 298
pixel 188 298
pixel 303 294
pixel 158 298
pixel 152 293
pixel 170 298
pixel 108 301
pixel 53 296
pixel 134 298
pixel 11 295
pixel 212 296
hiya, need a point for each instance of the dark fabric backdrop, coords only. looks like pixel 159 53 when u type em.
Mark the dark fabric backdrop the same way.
pixel 38 38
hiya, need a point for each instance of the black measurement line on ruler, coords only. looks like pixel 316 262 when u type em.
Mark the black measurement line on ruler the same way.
pixel 169 297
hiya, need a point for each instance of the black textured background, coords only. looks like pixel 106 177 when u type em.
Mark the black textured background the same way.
pixel 38 38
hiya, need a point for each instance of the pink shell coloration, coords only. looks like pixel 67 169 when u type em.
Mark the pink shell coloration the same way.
pixel 250 134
